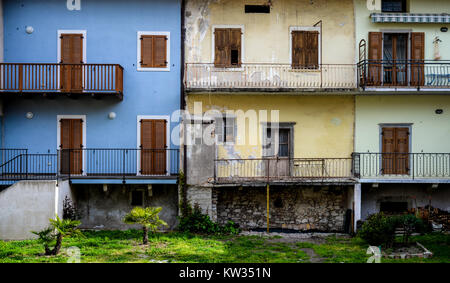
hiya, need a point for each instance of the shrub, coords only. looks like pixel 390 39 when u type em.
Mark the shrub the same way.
pixel 378 230
pixel 409 223
pixel 147 217
pixel 194 221
pixel 70 210
pixel 54 234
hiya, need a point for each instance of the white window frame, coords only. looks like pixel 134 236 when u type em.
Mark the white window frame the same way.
pixel 213 46
pixel 83 126
pixel 72 31
pixel 303 28
pixel 138 141
pixel 138 59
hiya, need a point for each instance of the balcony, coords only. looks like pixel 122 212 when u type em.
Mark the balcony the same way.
pixel 270 77
pixel 98 163
pixel 283 170
pixel 61 79
pixel 404 75
pixel 402 166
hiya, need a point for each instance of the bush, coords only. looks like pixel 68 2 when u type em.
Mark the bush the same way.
pixel 409 223
pixel 378 230
pixel 195 221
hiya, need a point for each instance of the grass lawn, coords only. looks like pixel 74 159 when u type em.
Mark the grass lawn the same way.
pixel 125 246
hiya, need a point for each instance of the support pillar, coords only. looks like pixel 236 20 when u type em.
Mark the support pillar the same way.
pixel 356 204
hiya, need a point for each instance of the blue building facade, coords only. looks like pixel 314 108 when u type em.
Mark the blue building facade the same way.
pixel 110 67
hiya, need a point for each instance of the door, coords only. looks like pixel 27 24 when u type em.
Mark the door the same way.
pixel 277 150
pixel 395 57
pixel 395 151
pixel 71 147
pixel 153 147
pixel 71 78
pixel 417 59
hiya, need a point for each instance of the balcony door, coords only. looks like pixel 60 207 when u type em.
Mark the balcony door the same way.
pixel 278 149
pixel 71 76
pixel 153 147
pixel 395 150
pixel 71 146
pixel 395 56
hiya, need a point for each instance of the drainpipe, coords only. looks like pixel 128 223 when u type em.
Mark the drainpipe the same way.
pixel 182 98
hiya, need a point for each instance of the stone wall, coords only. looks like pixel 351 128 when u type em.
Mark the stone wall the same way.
pixel 204 199
pixel 299 208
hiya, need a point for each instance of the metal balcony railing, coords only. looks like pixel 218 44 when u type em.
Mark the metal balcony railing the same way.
pixel 61 78
pixel 85 163
pixel 401 165
pixel 270 76
pixel 404 73
pixel 270 169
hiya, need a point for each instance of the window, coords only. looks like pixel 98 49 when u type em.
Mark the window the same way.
pixel 283 143
pixel 225 129
pixel 393 207
pixel 262 9
pixel 137 198
pixel 227 47
pixel 305 45
pixel 393 6
pixel 153 51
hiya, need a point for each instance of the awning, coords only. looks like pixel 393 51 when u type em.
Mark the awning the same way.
pixel 409 18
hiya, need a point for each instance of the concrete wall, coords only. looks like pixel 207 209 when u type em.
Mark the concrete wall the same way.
pixel 416 195
pixel 28 205
pixel 203 198
pixel 266 36
pixel 323 124
pixel 363 24
pixel 111 37
pixel 105 210
pixel 430 132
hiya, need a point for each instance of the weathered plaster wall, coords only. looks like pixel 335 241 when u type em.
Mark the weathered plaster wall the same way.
pixel 430 132
pixel 266 36
pixel 299 208
pixel 105 210
pixel 364 24
pixel 324 125
pixel 371 197
pixel 28 205
pixel 204 198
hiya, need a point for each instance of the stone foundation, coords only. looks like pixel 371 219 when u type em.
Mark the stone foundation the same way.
pixel 299 208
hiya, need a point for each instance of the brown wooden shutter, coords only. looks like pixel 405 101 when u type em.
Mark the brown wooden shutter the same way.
pixel 71 145
pixel 375 57
pixel 312 49
pixel 159 51
pixel 388 150
pixel 417 58
pixel 395 148
pixel 72 48
pixel 221 48
pixel 298 45
pixel 146 51
pixel 153 147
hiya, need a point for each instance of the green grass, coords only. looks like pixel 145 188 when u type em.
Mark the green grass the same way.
pixel 125 246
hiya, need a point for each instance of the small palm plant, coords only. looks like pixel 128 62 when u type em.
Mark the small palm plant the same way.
pixel 147 217
pixel 59 228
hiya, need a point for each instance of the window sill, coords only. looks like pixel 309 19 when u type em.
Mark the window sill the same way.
pixel 140 69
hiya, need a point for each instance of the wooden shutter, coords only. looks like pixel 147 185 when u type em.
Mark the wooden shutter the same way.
pixel 417 58
pixel 71 139
pixel 312 49
pixel 298 45
pixel 146 51
pixel 153 147
pixel 221 48
pixel 375 57
pixel 71 53
pixel 402 150
pixel 159 51
pixel 388 150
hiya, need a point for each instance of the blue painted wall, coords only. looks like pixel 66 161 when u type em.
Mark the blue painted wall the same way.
pixel 111 27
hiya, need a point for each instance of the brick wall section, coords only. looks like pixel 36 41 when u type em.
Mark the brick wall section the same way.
pixel 299 208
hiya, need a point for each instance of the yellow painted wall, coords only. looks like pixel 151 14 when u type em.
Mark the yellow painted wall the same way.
pixel 266 36
pixel 364 24
pixel 430 132
pixel 324 124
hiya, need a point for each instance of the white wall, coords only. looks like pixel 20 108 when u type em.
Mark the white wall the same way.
pixel 28 205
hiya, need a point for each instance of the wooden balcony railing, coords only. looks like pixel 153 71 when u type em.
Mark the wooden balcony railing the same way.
pixel 270 76
pixel 61 78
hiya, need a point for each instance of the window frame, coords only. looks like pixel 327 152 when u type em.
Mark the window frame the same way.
pixel 213 46
pixel 404 7
pixel 224 117
pixel 152 69
pixel 319 44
